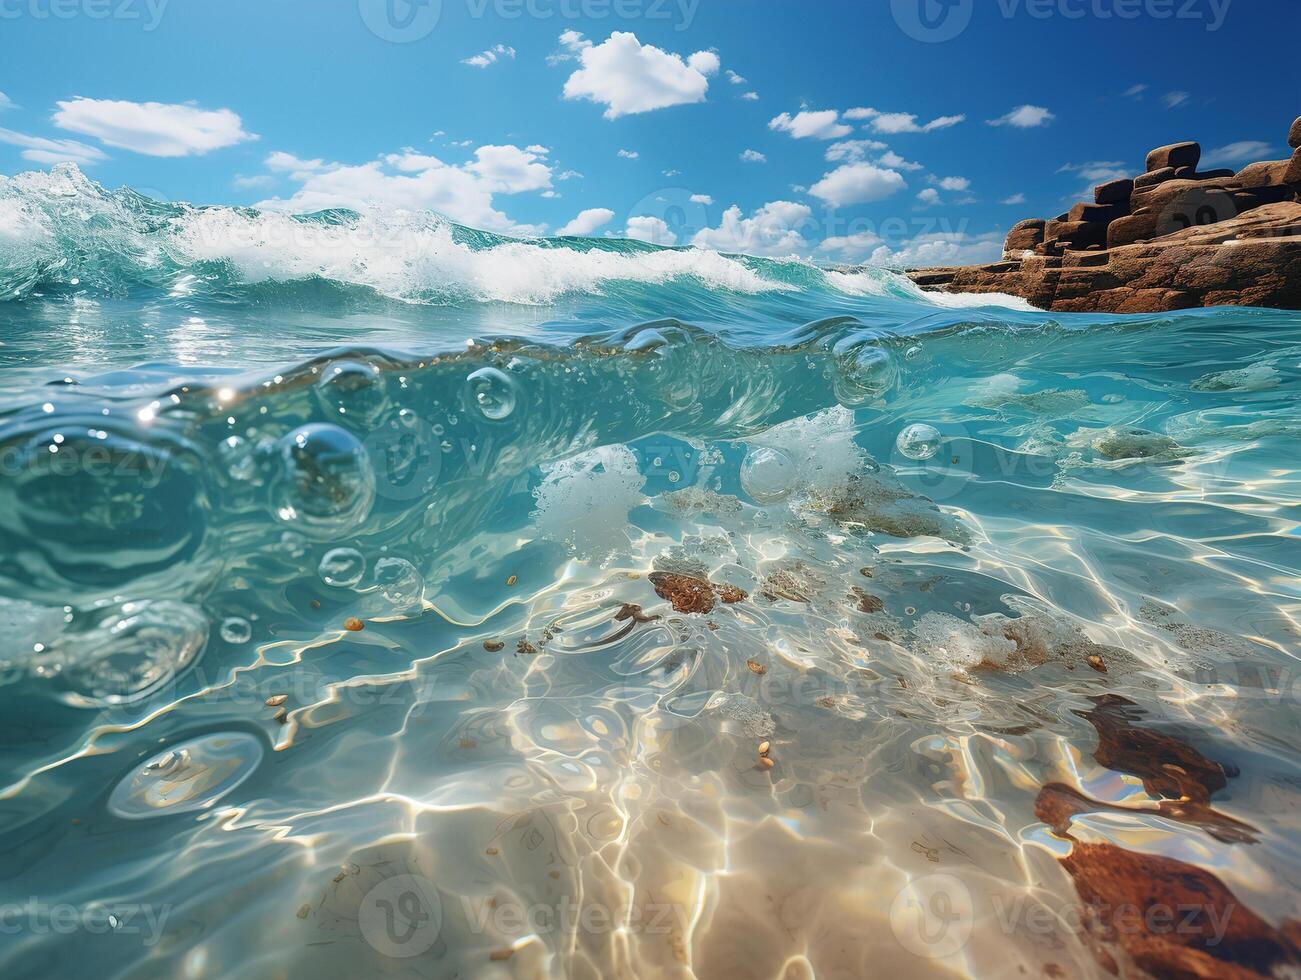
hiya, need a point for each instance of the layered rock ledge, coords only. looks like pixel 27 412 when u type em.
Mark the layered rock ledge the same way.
pixel 1172 238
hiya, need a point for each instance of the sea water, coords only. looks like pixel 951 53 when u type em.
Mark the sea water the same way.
pixel 380 597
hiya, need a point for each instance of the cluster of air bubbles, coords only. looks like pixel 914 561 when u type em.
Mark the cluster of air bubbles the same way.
pixel 919 441
pixel 187 777
pixel 492 393
pixel 236 630
pixel 325 483
pixel 353 390
pixel 768 475
pixel 342 568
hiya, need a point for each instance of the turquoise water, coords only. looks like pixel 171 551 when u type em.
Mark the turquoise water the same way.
pixel 227 437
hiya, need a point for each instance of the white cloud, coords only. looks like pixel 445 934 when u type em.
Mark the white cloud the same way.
pixel 750 96
pixel 1243 152
pixel 852 248
pixel 629 154
pixel 37 149
pixel 1135 91
pixel 416 181
pixel 510 170
pixel 288 163
pixel 852 150
pixel 896 162
pixel 941 248
pixel 152 128
pixel 822 125
pixel 901 122
pixel 753 156
pixel 5 102
pixel 734 78
pixel 257 181
pixel 951 183
pixel 1017 198
pixel 1024 117
pixel 772 230
pixel 1173 100
pixel 569 175
pixel 857 183
pixel 490 57
pixel 1095 170
pixel 653 230
pixel 587 222
pixel 701 199
pixel 929 196
pixel 629 77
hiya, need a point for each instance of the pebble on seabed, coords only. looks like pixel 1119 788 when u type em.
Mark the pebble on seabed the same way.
pixel 756 667
pixel 493 646
pixel 1096 663
pixel 512 580
pixel 277 700
pixel 353 625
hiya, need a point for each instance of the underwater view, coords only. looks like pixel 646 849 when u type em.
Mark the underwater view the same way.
pixel 382 597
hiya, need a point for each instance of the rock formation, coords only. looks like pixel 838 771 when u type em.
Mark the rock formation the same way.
pixel 1172 238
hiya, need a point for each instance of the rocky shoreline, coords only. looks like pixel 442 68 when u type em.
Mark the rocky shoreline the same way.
pixel 1171 238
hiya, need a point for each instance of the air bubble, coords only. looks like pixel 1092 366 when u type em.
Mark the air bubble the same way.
pixel 342 568
pixel 767 474
pixel 236 630
pixel 326 484
pixel 492 393
pixel 353 390
pixel 187 777
pixel 919 441
pixel 399 582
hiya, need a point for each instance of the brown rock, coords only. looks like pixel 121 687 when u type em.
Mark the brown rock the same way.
pixel 1266 173
pixel 1153 177
pixel 1098 212
pixel 1185 173
pixel 1175 155
pixel 693 595
pixel 1114 192
pixel 1170 207
pixel 1293 173
pixel 1294 137
pixel 1078 234
pixel 1024 236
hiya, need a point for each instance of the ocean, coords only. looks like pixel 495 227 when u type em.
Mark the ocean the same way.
pixel 382 597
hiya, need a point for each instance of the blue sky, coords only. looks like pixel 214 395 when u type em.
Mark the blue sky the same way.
pixel 859 131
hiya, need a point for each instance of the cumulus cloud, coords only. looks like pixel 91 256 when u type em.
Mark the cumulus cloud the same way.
pixel 48 152
pixel 750 96
pixel 823 124
pixel 928 196
pixel 490 57
pixel 1017 198
pixel 418 181
pixel 853 150
pixel 701 199
pixel 1245 151
pixel 852 248
pixel 901 122
pixel 773 229
pixel 753 156
pixel 586 222
pixel 1024 117
pixel 656 231
pixel 629 77
pixel 940 248
pixel 858 183
pixel 734 78
pixel 282 162
pixel 629 154
pixel 152 128
pixel 952 183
